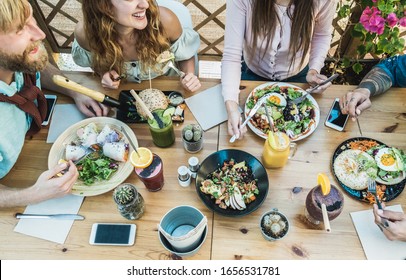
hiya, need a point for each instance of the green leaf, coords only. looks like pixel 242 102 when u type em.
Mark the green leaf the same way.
pixel 361 50
pixel 369 47
pixel 359 27
pixel 357 67
pixel 346 62
pixel 357 34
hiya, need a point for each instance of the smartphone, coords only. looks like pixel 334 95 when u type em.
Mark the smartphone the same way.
pixel 51 102
pixel 112 234
pixel 335 119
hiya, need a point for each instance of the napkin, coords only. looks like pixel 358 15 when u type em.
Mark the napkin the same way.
pixel 208 107
pixel 50 229
pixel 210 69
pixel 63 117
pixel 376 245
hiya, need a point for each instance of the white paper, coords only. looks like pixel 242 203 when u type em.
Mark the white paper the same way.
pixel 50 229
pixel 375 244
pixel 209 69
pixel 63 117
pixel 208 107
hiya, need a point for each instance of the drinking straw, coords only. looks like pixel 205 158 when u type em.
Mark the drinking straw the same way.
pixel 326 221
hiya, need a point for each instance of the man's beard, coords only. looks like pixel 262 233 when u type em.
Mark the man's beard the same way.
pixel 23 62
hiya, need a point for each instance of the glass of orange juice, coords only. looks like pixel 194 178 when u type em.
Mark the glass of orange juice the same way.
pixel 277 150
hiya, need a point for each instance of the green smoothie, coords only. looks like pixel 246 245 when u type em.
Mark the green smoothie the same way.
pixel 162 137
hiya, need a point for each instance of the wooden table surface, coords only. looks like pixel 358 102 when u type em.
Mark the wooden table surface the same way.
pixel 228 238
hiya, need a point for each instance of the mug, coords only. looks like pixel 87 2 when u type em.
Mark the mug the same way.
pixel 277 150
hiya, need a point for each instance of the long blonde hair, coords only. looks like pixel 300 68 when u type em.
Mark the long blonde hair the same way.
pixel 264 19
pixel 102 37
pixel 13 12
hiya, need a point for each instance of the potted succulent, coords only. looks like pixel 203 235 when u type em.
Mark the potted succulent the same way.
pixel 129 202
pixel 192 136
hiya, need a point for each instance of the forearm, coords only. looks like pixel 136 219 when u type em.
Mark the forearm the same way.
pixel 377 81
pixel 11 197
pixel 188 66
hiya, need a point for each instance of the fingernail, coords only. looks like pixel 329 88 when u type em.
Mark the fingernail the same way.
pixel 379 211
pixel 63 165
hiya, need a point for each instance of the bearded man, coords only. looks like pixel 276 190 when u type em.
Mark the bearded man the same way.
pixel 24 68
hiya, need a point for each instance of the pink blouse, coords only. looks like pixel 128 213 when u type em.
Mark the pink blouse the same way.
pixel 275 64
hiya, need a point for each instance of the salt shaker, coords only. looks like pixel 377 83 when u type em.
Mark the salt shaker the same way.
pixel 183 176
pixel 193 166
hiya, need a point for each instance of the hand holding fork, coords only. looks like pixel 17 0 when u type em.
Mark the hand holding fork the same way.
pixel 372 190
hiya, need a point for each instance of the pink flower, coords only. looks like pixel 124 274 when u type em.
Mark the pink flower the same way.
pixel 374 1
pixel 392 20
pixel 402 22
pixel 372 21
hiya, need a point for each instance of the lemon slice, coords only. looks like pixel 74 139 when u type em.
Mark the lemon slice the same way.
pixel 271 139
pixel 141 160
pixel 324 183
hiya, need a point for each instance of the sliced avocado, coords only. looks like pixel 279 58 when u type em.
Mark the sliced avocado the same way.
pixel 275 113
pixel 399 161
pixel 239 165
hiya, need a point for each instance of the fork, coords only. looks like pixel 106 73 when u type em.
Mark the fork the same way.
pixel 179 72
pixel 372 190
pixel 310 90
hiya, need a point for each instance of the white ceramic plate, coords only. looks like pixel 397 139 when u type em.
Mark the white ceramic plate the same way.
pixel 259 132
pixel 57 152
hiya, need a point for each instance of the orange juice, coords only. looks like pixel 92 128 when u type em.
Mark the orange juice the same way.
pixel 276 150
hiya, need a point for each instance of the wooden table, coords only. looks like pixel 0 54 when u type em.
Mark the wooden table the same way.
pixel 228 238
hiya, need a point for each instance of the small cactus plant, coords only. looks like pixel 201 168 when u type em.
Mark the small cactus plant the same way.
pixel 192 133
pixel 124 195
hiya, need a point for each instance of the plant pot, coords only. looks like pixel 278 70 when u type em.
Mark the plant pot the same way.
pixel 130 202
pixel 193 147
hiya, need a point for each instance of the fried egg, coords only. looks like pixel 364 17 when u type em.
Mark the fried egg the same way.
pixel 277 99
pixel 386 159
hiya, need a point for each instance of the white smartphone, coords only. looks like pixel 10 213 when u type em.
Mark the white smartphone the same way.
pixel 112 234
pixel 51 102
pixel 335 119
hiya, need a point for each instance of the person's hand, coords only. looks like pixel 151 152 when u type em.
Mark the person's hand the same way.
pixel 396 229
pixel 111 80
pixel 190 82
pixel 314 78
pixel 234 120
pixel 354 102
pixel 90 107
pixel 49 185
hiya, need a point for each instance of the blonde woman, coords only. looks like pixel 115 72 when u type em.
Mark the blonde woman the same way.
pixel 279 40
pixel 121 38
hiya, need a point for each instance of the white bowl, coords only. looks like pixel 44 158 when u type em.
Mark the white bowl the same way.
pixel 268 235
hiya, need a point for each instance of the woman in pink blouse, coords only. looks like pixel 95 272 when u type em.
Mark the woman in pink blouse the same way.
pixel 286 40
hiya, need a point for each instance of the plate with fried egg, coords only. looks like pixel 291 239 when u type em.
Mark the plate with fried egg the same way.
pixel 298 121
pixel 357 159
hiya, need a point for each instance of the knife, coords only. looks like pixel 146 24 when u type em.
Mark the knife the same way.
pixel 51 216
pixel 98 96
pixel 251 113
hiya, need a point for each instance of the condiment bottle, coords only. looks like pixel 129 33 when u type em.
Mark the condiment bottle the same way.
pixel 183 176
pixel 193 166
pixel 277 150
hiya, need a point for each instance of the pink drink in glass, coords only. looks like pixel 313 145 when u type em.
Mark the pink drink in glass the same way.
pixel 152 176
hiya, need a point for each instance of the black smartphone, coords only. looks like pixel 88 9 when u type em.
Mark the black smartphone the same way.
pixel 335 119
pixel 51 102
pixel 112 234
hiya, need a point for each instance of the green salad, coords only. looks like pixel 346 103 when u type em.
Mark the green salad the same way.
pixel 96 167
